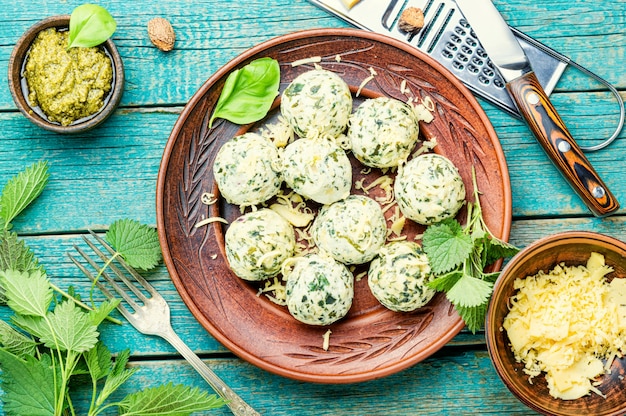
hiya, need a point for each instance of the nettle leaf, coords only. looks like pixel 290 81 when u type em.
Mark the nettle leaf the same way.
pixel 249 92
pixel 98 361
pixel 469 291
pixel 27 293
pixel 446 246
pixel 72 329
pixel 445 282
pixel 34 325
pixel 103 310
pixel 15 342
pixel 90 25
pixel 117 376
pixel 28 385
pixel 137 243
pixel 474 316
pixel 21 190
pixel 170 400
pixel 16 255
pixel 498 249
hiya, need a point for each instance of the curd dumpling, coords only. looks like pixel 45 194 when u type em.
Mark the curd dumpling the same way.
pixel 245 170
pixel 317 103
pixel 352 230
pixel 258 243
pixel 429 189
pixel 317 169
pixel 398 277
pixel 383 132
pixel 319 289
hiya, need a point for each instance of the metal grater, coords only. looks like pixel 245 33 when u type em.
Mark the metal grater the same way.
pixel 449 39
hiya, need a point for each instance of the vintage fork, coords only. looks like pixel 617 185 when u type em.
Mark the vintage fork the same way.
pixel 150 315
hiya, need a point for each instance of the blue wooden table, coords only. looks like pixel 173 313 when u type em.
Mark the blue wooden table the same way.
pixel 110 173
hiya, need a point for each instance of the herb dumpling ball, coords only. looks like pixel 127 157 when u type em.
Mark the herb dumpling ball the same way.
pixel 317 169
pixel 352 230
pixel 399 277
pixel 258 243
pixel 383 132
pixel 319 289
pixel 317 103
pixel 429 189
pixel 246 170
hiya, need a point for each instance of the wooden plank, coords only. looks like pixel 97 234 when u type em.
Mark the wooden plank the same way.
pixel 204 45
pixel 111 173
pixel 53 250
pixel 458 382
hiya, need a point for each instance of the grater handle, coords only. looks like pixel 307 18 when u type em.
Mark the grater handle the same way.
pixel 556 140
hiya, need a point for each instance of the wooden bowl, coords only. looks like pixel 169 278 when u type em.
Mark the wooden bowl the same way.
pixel 18 88
pixel 571 248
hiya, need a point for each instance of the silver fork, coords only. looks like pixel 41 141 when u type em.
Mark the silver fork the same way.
pixel 152 315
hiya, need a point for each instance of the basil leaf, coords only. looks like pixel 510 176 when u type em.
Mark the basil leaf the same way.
pixel 249 92
pixel 90 25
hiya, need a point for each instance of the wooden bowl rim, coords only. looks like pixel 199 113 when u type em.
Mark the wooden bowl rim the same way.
pixel 493 324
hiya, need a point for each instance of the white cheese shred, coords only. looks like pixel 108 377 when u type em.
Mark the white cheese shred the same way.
pixel 326 340
pixel 208 198
pixel 304 61
pixel 210 220
pixel 366 81
pixel 565 322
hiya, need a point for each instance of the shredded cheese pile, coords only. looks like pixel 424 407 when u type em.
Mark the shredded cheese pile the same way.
pixel 565 322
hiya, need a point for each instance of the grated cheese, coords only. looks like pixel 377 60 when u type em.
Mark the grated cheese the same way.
pixel 278 289
pixel 365 81
pixel 326 340
pixel 210 220
pixel 208 198
pixel 304 61
pixel 565 322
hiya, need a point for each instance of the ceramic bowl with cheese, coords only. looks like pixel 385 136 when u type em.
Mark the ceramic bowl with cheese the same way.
pixel 555 325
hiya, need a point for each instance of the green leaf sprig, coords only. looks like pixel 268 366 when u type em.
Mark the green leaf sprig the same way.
pixel 90 25
pixel 21 190
pixel 136 243
pixel 61 343
pixel 458 256
pixel 249 92
pixel 52 339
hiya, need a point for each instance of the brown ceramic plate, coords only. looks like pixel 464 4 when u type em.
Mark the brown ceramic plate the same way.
pixel 371 341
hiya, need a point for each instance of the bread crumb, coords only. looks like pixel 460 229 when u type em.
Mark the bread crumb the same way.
pixel 411 20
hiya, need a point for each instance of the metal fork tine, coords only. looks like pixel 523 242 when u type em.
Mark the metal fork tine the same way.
pixel 125 265
pixel 124 311
pixel 153 318
pixel 110 280
pixel 116 270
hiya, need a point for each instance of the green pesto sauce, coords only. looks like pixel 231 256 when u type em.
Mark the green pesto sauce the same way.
pixel 67 85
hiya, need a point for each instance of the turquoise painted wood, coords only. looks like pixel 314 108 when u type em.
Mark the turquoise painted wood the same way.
pixel 110 173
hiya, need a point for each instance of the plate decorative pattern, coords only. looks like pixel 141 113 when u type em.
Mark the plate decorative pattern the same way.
pixel 371 342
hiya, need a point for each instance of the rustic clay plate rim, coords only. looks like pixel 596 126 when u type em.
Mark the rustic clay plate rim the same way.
pixel 535 396
pixel 16 63
pixel 180 269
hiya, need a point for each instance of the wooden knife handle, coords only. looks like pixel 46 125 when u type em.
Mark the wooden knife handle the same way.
pixel 556 140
